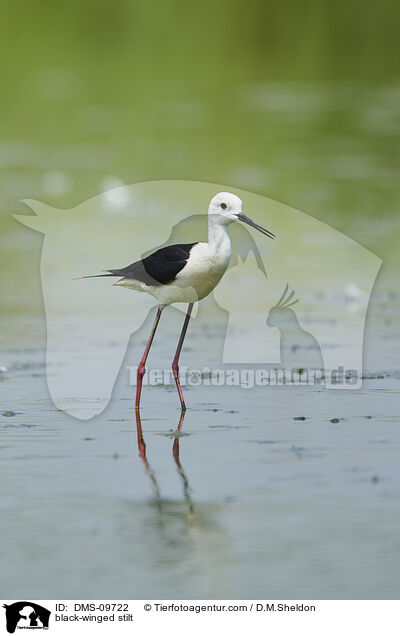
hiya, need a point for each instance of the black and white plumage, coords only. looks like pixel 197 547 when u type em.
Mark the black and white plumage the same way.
pixel 159 268
pixel 186 272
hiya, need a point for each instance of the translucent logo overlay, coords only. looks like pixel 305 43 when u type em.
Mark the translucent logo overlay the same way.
pixel 286 312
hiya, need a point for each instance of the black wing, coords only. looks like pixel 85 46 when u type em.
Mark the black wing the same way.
pixel 159 268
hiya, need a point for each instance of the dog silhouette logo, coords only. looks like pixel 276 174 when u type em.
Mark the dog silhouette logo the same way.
pixel 26 615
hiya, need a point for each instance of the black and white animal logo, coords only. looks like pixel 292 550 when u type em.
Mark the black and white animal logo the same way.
pixel 26 615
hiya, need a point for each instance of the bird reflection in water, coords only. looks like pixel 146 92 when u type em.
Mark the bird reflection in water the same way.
pixel 159 501
pixel 176 534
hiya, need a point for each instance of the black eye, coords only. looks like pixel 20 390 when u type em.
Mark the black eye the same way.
pixel 223 206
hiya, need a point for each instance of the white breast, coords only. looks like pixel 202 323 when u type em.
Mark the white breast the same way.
pixel 204 269
pixel 197 279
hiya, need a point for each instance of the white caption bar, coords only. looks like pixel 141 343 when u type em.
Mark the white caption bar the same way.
pixel 260 616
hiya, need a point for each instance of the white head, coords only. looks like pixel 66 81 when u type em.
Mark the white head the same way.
pixel 226 205
pixel 227 208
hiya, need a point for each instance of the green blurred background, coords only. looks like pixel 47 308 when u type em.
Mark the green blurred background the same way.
pixel 295 101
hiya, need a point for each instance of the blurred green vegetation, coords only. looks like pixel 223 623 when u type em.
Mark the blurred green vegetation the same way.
pixel 296 101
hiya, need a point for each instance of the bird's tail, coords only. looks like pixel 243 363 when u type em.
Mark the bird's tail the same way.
pixel 95 276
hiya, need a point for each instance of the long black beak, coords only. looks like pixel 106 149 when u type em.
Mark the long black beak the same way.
pixel 245 219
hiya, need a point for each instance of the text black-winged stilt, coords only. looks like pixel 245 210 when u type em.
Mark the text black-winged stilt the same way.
pixel 187 272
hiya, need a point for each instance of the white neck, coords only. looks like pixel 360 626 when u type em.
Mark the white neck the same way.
pixel 218 236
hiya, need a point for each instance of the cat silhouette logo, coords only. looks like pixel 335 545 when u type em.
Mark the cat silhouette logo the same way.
pixel 26 615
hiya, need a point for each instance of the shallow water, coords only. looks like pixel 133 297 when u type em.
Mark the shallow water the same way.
pixel 288 492
pixel 274 491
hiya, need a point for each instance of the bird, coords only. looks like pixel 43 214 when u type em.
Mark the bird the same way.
pixel 299 349
pixel 185 272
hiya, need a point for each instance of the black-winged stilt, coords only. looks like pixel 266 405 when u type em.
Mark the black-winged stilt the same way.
pixel 187 272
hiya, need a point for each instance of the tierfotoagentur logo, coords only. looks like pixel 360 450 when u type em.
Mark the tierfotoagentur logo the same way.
pixel 248 378
pixel 287 311
pixel 26 615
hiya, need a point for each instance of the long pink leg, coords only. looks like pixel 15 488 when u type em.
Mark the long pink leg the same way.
pixel 141 367
pixel 175 363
